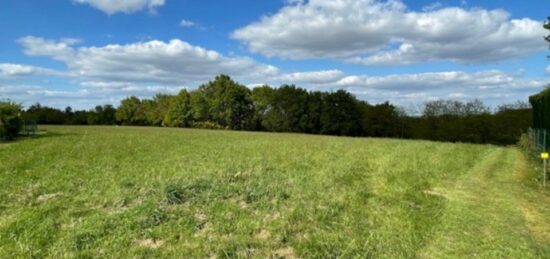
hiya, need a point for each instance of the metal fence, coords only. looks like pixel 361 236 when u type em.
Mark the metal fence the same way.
pixel 539 139
pixel 29 128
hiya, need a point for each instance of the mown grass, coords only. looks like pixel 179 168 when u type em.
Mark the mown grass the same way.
pixel 150 192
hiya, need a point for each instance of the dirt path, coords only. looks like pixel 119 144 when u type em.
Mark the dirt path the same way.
pixel 491 209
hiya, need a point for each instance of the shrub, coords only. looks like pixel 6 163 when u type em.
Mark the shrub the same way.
pixel 10 119
pixel 524 144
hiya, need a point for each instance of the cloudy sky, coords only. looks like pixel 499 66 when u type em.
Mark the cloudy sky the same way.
pixel 87 52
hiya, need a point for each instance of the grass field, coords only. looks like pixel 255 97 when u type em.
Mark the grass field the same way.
pixel 151 192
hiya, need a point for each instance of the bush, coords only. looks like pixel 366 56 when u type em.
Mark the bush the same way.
pixel 10 119
pixel 524 144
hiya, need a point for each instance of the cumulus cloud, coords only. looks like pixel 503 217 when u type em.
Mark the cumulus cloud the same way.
pixel 61 50
pixel 172 62
pixel 493 86
pixel 85 97
pixel 122 6
pixel 8 71
pixel 106 74
pixel 387 33
pixel 30 94
pixel 125 88
pixel 311 77
pixel 112 72
pixel 426 81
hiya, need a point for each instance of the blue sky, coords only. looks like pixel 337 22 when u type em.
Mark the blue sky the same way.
pixel 87 52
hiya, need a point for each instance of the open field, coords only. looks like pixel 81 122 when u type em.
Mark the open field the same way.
pixel 152 192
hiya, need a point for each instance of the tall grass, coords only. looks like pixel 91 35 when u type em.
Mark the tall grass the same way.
pixel 150 192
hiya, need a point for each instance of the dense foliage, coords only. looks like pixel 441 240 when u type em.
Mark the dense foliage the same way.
pixel 226 104
pixel 10 119
pixel 541 109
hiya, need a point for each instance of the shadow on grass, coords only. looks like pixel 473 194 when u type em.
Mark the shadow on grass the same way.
pixel 38 135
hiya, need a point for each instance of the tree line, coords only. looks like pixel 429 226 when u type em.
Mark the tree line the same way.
pixel 226 104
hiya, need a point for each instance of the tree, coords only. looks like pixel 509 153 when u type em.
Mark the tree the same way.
pixel 156 109
pixel 381 120
pixel 45 115
pixel 262 100
pixel 340 114
pixel 68 111
pixel 199 106
pixel 131 112
pixel 288 110
pixel 314 112
pixel 228 103
pixel 10 119
pixel 102 115
pixel 180 112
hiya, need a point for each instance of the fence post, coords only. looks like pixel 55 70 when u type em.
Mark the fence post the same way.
pixel 543 142
pixel 544 176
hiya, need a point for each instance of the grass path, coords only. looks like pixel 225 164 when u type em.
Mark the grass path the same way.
pixel 491 214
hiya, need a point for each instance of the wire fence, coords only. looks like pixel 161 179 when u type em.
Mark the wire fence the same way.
pixel 539 139
pixel 29 128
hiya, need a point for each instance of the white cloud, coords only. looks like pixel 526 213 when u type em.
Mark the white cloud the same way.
pixel 186 23
pixel 61 50
pixel 493 86
pixel 548 70
pixel 387 33
pixel 31 94
pixel 82 98
pixel 8 70
pixel 123 6
pixel 158 62
pixel 312 77
pixel 106 74
pixel 126 88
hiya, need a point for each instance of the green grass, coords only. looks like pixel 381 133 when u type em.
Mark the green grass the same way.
pixel 151 192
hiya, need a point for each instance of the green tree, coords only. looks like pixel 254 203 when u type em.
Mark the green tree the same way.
pixel 199 106
pixel 340 114
pixel 10 119
pixel 180 112
pixel 381 120
pixel 287 111
pixel 314 112
pixel 156 109
pixel 262 100
pixel 228 103
pixel 102 115
pixel 46 115
pixel 131 112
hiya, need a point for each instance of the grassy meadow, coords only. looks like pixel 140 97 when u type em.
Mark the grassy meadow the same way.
pixel 124 192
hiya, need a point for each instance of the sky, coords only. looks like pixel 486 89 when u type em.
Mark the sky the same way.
pixel 83 53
